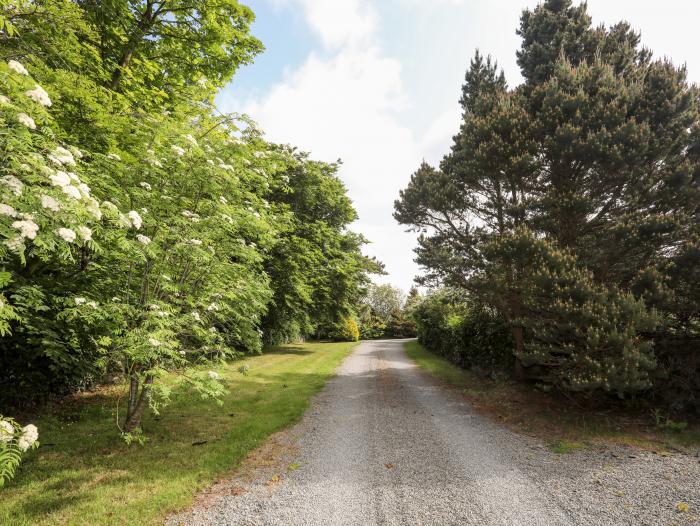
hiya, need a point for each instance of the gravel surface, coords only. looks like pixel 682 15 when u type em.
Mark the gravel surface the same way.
pixel 384 444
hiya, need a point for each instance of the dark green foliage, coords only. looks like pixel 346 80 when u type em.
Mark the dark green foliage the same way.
pixel 570 204
pixel 467 334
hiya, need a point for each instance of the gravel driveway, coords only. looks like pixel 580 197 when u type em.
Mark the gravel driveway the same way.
pixel 384 444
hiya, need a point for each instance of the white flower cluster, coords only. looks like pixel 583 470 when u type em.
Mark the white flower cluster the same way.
pixel 145 185
pixel 7 431
pixel 143 239
pixel 196 242
pixel 67 234
pixel 14 184
pixel 179 151
pixel 30 434
pixel 26 120
pixel 50 203
pixel 39 95
pixel 135 219
pixel 7 210
pixel 27 228
pixel 191 139
pixel 61 156
pixel 213 375
pixel 17 67
pixel 114 157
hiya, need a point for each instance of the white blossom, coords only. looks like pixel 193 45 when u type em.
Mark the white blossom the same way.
pixel 85 233
pixel 13 183
pixel 143 239
pixel 62 156
pixel 223 200
pixel 72 191
pixel 7 430
pixel 27 228
pixel 191 139
pixel 67 234
pixel 190 215
pixel 15 243
pixel 156 162
pixel 135 218
pixel 84 189
pixel 61 179
pixel 79 300
pixel 213 307
pixel 50 203
pixel 213 375
pixel 93 206
pixel 144 184
pixel 209 161
pixel 74 177
pixel 196 242
pixel 114 157
pixel 92 303
pixel 17 67
pixel 77 153
pixel 179 151
pixel 196 316
pixel 4 100
pixel 182 353
pixel 30 434
pixel 39 95
pixel 26 120
pixel 110 206
pixel 7 210
pixel 154 342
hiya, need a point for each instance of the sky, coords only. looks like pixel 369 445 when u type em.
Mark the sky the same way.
pixel 376 84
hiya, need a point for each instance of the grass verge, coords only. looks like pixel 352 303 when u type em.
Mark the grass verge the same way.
pixel 558 421
pixel 83 473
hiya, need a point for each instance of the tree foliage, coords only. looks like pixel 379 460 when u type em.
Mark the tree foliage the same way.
pixel 142 230
pixel 570 204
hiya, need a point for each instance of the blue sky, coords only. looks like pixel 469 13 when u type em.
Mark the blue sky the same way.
pixel 376 84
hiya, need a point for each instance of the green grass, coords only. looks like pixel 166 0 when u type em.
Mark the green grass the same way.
pixel 83 473
pixel 436 365
pixel 562 422
pixel 564 447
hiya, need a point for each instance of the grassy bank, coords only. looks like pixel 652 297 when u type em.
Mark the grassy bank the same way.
pixel 83 473
pixel 560 421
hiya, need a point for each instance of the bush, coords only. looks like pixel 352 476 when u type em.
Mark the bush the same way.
pixel 469 335
pixel 345 331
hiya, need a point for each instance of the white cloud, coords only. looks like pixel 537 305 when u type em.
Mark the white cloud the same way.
pixel 346 106
pixel 341 22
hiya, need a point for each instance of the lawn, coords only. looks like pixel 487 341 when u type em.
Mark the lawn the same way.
pixel 83 473
pixel 564 423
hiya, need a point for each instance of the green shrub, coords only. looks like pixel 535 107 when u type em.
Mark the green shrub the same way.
pixel 469 335
pixel 345 330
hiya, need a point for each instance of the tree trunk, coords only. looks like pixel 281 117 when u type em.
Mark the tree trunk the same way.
pixel 143 27
pixel 137 406
pixel 519 337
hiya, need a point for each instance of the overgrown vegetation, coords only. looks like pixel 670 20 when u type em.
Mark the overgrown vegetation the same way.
pixel 84 474
pixel 570 206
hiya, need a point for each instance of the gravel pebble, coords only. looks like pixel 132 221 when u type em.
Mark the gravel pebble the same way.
pixel 384 444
